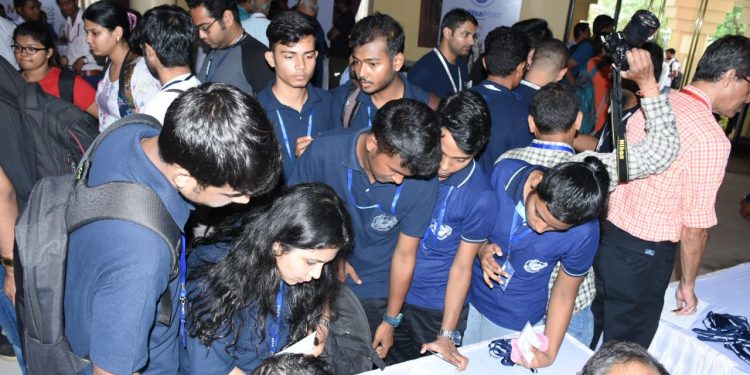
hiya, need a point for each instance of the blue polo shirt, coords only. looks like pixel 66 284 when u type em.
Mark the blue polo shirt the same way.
pixel 313 120
pixel 365 114
pixel 465 211
pixel 525 92
pixel 510 126
pixel 117 271
pixel 429 74
pixel 533 256
pixel 581 54
pixel 379 211
pixel 251 349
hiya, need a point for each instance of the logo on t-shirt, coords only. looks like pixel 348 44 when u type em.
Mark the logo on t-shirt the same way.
pixel 383 222
pixel 444 232
pixel 534 265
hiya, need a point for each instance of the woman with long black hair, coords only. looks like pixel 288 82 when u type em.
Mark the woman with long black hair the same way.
pixel 256 286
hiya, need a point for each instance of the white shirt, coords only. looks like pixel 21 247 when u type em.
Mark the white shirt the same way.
pixel 143 87
pixel 664 80
pixel 674 66
pixel 256 26
pixel 77 46
pixel 158 105
pixel 6 39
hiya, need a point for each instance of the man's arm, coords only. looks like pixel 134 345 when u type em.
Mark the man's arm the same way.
pixel 8 215
pixel 656 152
pixel 402 270
pixel 459 280
pixel 692 248
pixel 558 316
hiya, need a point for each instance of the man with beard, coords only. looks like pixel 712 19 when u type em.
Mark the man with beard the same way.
pixel 443 71
pixel 166 35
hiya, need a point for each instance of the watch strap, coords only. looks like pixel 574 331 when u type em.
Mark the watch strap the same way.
pixel 395 321
pixel 6 262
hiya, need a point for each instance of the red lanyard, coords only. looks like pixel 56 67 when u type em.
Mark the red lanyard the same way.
pixel 697 97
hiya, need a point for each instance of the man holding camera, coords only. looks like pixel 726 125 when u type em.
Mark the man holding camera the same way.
pixel 650 219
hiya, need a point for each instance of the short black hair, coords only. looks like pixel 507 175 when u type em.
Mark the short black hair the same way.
pixel 297 364
pixel 216 8
pixel 20 3
pixel 466 116
pixel 670 50
pixel 410 129
pixel 616 353
pixel 657 57
pixel 727 52
pixel 602 21
pixel 109 15
pixel 222 136
pixel 169 30
pixel 580 28
pixel 535 29
pixel 576 192
pixel 377 26
pixel 504 49
pixel 551 53
pixel 288 28
pixel 457 17
pixel 554 109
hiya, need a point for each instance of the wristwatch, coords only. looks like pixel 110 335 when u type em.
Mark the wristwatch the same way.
pixel 6 262
pixel 455 336
pixel 394 321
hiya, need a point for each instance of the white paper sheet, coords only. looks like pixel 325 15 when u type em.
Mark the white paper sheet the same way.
pixel 528 339
pixel 303 346
pixel 682 321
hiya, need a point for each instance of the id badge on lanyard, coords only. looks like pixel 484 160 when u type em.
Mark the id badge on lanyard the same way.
pixel 513 237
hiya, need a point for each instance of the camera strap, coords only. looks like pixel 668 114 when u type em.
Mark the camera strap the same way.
pixel 619 142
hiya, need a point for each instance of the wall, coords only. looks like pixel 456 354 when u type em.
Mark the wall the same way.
pixel 406 12
pixel 554 11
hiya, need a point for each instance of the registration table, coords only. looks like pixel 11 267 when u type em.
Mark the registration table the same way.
pixel 571 358
pixel 678 349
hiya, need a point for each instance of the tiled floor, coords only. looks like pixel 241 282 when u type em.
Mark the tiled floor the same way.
pixel 727 244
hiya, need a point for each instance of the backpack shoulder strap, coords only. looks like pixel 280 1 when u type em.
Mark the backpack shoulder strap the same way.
pixel 66 85
pixel 350 105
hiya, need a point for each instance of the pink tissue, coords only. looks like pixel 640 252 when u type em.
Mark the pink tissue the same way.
pixel 515 352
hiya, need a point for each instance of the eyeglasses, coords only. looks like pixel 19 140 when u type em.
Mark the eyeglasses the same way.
pixel 30 51
pixel 747 96
pixel 205 28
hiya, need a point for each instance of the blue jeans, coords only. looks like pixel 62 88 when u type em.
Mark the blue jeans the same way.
pixel 9 325
pixel 582 326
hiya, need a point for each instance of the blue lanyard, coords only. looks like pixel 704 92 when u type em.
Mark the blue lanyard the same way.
pixel 441 215
pixel 515 226
pixel 183 291
pixel 218 64
pixel 283 132
pixel 276 329
pixel 376 205
pixel 176 82
pixel 547 146
pixel 369 116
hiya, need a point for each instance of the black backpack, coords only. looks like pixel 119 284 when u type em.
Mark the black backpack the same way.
pixel 51 137
pixel 349 345
pixel 58 206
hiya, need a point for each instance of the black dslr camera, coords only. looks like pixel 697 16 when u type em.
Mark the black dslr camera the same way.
pixel 642 26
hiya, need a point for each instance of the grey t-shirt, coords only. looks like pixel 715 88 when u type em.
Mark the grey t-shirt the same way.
pixel 227 65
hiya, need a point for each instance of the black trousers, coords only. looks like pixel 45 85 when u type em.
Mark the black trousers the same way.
pixel 631 277
pixel 420 326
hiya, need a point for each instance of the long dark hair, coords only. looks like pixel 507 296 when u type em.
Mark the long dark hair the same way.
pixel 110 14
pixel 305 216
pixel 42 34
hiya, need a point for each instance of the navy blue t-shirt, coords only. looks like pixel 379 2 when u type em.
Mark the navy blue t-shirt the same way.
pixel 468 208
pixel 379 211
pixel 313 120
pixel 532 255
pixel 118 270
pixel 365 114
pixel 430 75
pixel 250 350
pixel 510 126
pixel 525 92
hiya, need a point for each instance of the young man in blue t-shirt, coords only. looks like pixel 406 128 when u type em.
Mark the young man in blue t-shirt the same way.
pixel 298 110
pixel 506 51
pixel 443 71
pixel 377 57
pixel 209 152
pixel 544 216
pixel 436 308
pixel 371 170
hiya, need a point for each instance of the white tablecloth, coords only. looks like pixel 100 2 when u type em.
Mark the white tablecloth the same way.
pixel 678 349
pixel 571 358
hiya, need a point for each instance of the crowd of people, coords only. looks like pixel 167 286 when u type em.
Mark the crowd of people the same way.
pixel 456 206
